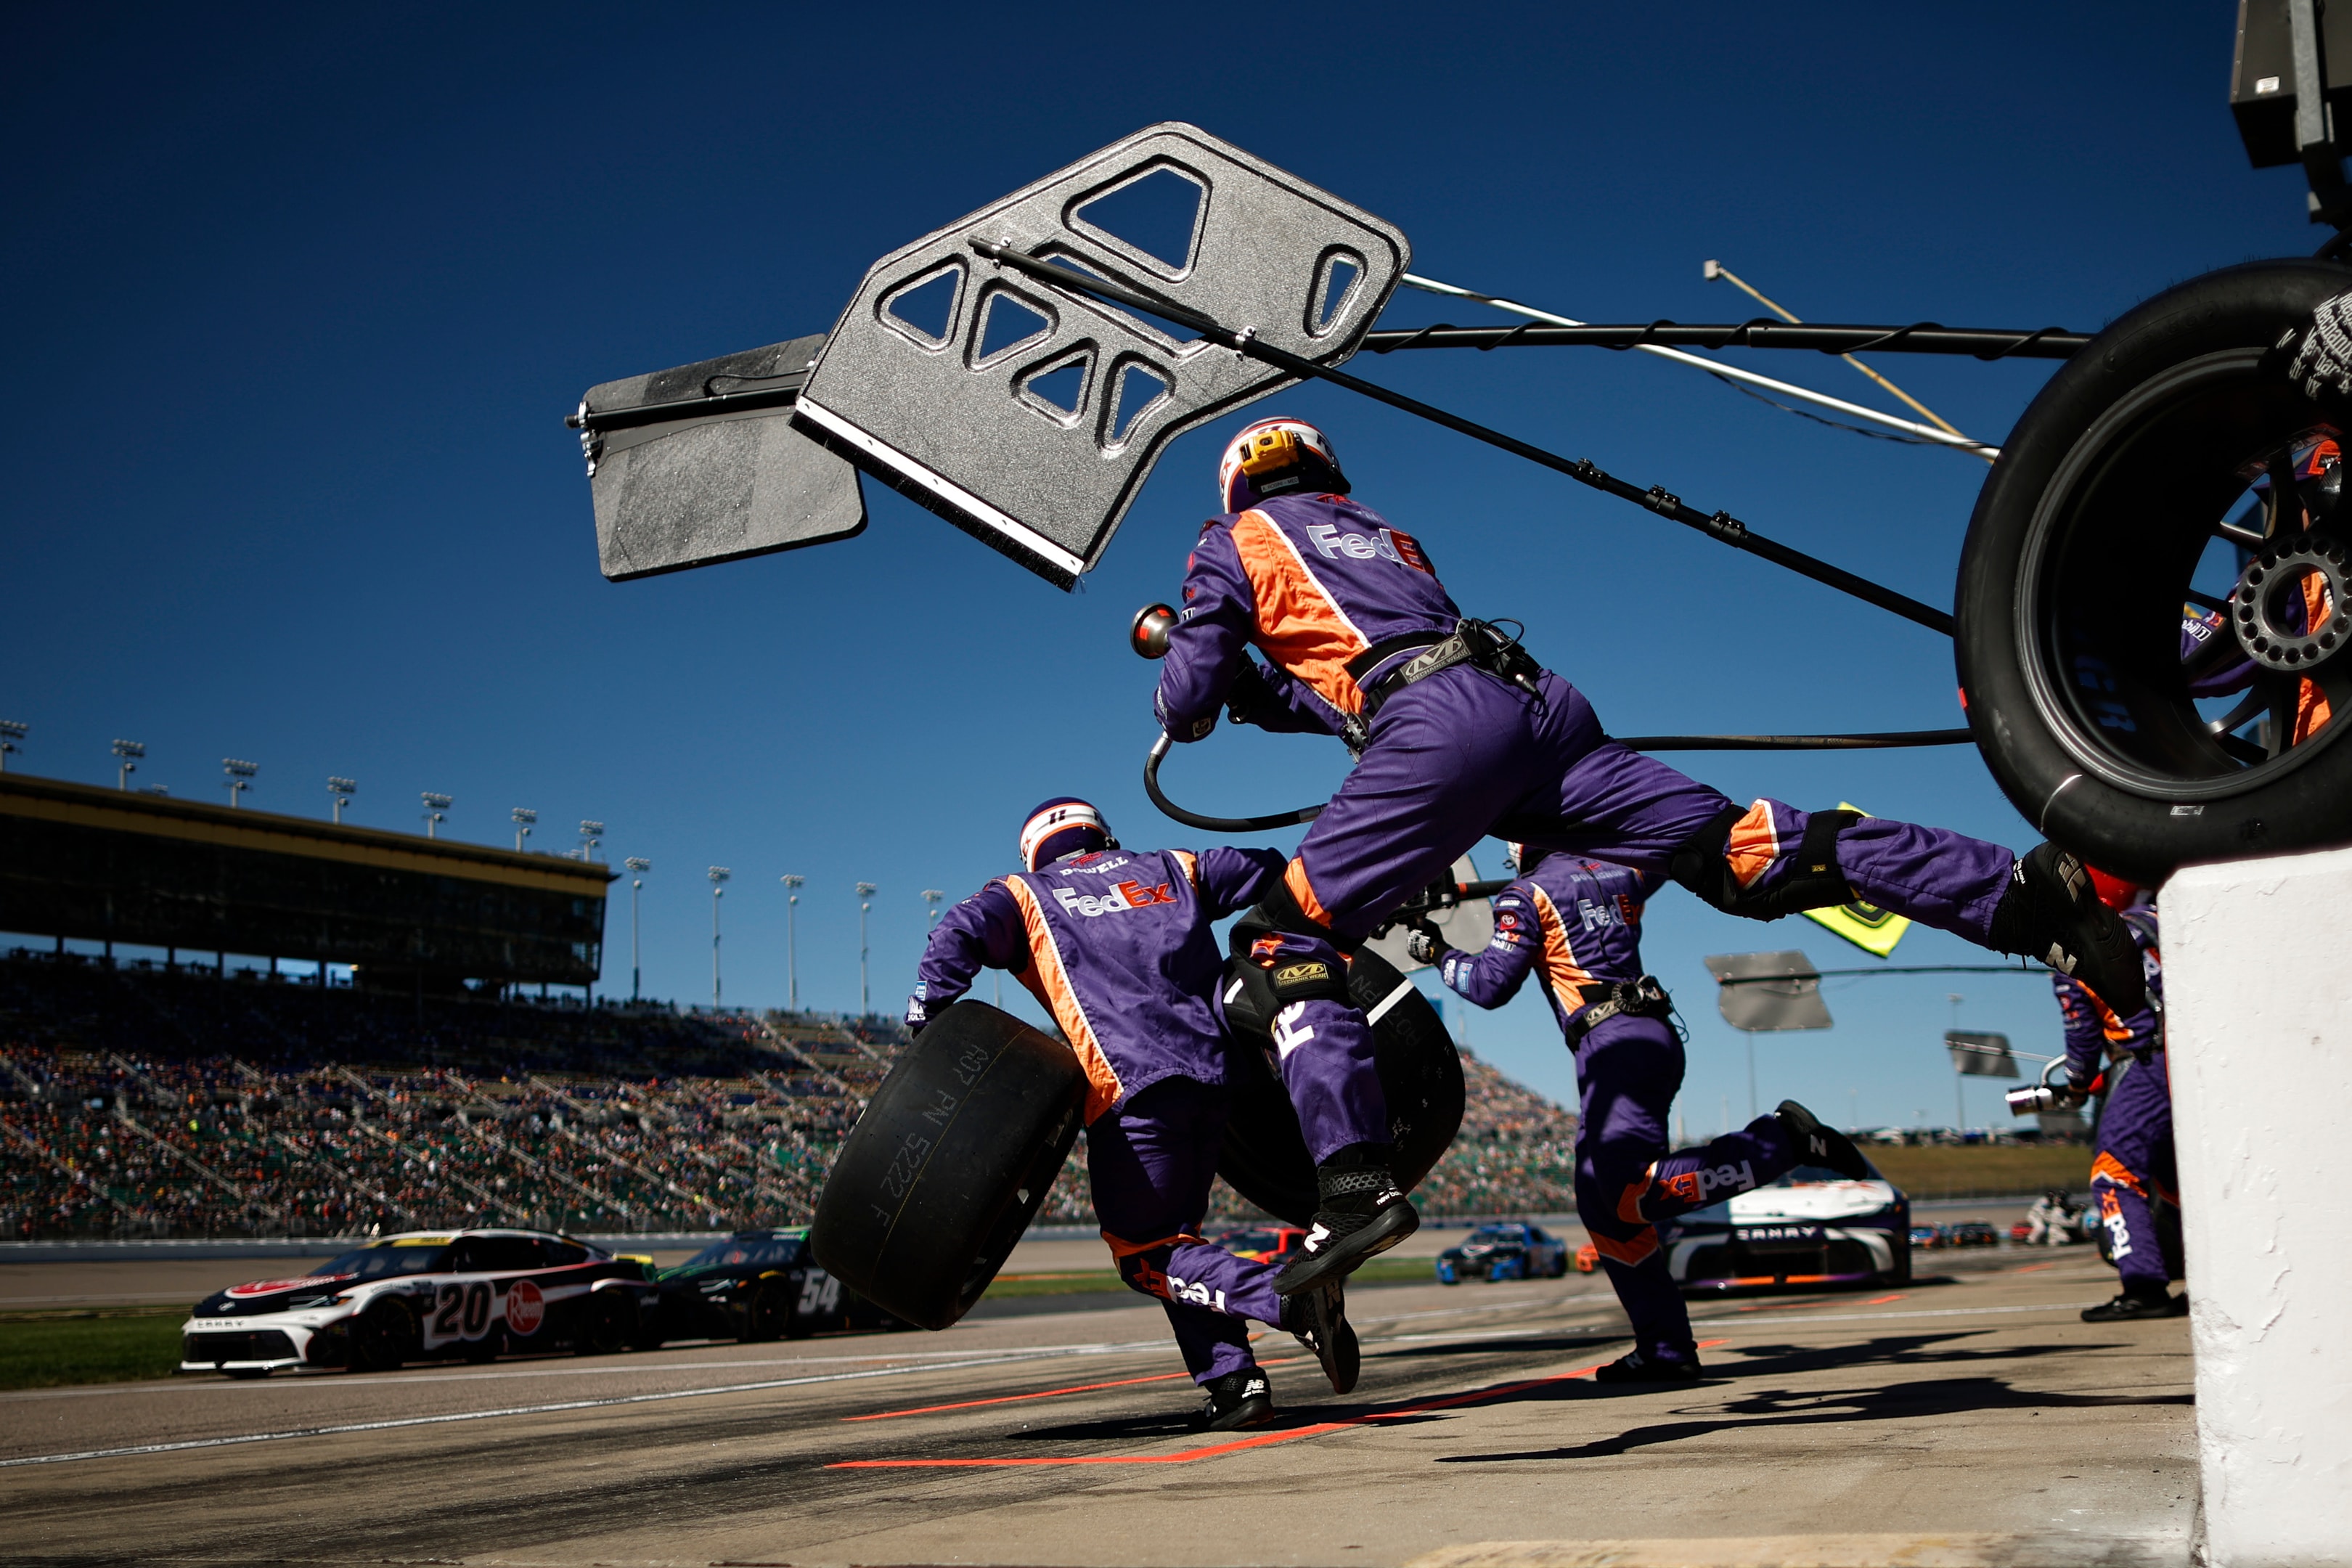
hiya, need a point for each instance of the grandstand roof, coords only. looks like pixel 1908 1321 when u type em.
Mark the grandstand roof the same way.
pixel 79 861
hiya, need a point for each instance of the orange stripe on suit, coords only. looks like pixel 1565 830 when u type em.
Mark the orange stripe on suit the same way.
pixel 1562 972
pixel 1049 982
pixel 2116 1171
pixel 1754 844
pixel 1299 625
pixel 1629 1253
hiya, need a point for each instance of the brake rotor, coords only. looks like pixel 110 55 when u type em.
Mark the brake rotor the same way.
pixel 2279 577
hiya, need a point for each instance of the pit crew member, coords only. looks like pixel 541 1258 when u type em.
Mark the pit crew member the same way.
pixel 1458 732
pixel 1118 946
pixel 2134 1159
pixel 1578 924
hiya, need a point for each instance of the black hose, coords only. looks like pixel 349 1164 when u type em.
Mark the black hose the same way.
pixel 1214 824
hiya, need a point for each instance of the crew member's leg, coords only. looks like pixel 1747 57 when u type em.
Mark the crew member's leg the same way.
pixel 1151 1163
pixel 1770 859
pixel 2135 1164
pixel 1628 1070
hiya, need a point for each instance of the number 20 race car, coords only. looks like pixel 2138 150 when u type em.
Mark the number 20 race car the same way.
pixel 468 1293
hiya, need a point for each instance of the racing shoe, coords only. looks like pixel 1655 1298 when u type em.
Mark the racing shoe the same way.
pixel 2136 1302
pixel 1318 1318
pixel 1820 1145
pixel 1238 1399
pixel 2052 914
pixel 1635 1367
pixel 1359 1213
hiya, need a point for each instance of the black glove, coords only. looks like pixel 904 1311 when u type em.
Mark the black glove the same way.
pixel 1423 946
pixel 1249 694
pixel 917 1014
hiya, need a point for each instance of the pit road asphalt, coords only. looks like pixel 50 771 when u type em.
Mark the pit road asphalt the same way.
pixel 1980 1408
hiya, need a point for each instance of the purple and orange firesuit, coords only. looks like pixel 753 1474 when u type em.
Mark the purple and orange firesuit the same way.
pixel 1118 948
pixel 1578 924
pixel 2134 1159
pixel 1338 600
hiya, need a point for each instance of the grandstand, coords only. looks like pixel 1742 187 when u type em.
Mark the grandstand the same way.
pixel 141 1102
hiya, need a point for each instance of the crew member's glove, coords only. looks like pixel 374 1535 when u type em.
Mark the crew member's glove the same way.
pixel 1249 694
pixel 917 1014
pixel 1423 946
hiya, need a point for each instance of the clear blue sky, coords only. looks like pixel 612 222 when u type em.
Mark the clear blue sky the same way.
pixel 298 298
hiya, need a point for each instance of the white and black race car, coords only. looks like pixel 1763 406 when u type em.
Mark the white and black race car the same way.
pixel 468 1293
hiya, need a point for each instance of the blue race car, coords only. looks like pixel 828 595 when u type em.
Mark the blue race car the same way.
pixel 1513 1251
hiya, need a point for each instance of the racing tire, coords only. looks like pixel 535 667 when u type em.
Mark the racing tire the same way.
pixel 2108 509
pixel 768 1315
pixel 1263 1156
pixel 952 1159
pixel 384 1337
pixel 607 1325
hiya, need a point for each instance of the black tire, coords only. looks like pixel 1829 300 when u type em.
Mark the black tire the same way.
pixel 384 1337
pixel 2083 547
pixel 948 1164
pixel 768 1314
pixel 607 1323
pixel 1264 1157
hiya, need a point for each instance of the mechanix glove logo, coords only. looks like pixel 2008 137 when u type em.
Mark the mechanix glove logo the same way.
pixel 1302 973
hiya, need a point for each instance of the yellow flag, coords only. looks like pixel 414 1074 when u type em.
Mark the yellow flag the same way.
pixel 1868 927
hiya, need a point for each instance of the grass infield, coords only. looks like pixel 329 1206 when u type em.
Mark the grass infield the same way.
pixel 1982 1171
pixel 51 1350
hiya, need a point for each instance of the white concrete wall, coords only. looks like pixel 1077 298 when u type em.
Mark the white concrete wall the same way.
pixel 2258 992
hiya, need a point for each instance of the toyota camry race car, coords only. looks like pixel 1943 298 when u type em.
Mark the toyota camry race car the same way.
pixel 469 1293
pixel 757 1285
pixel 1812 1226
pixel 1513 1251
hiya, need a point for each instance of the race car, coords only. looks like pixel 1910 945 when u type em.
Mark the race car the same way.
pixel 1261 1243
pixel 756 1285
pixel 467 1293
pixel 1812 1226
pixel 1509 1251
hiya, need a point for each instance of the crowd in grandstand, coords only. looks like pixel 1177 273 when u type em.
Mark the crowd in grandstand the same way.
pixel 139 1101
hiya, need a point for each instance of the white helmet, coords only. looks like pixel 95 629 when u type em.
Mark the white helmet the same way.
pixel 1276 457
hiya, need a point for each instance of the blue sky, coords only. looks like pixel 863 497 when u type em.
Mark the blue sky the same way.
pixel 300 296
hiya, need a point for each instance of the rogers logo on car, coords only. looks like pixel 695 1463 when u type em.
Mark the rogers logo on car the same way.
pixel 271 1286
pixel 526 1308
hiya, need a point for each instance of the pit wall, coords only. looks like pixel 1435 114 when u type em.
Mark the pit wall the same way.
pixel 2258 987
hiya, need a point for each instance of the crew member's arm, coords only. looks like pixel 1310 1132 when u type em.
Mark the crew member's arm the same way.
pixel 1230 879
pixel 984 932
pixel 1210 642
pixel 2087 1029
pixel 1493 977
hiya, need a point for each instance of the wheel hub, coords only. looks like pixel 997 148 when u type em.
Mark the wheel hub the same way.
pixel 2274 593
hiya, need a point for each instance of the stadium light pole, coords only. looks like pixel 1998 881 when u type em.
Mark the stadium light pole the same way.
pixel 865 902
pixel 436 807
pixel 791 956
pixel 11 732
pixel 340 790
pixel 718 874
pixel 240 777
pixel 126 757
pixel 524 820
pixel 637 869
pixel 1960 1083
pixel 592 834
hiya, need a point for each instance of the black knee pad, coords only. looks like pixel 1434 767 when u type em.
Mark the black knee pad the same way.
pixel 1812 880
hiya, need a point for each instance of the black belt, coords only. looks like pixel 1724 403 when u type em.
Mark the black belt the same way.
pixel 1478 644
pixel 1643 998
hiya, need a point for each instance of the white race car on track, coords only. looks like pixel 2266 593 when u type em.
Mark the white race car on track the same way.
pixel 469 1293
pixel 1812 1226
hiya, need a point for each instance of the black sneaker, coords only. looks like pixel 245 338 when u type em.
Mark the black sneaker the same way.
pixel 1238 1399
pixel 1820 1145
pixel 1635 1367
pixel 2133 1305
pixel 1319 1317
pixel 1360 1213
pixel 2052 914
